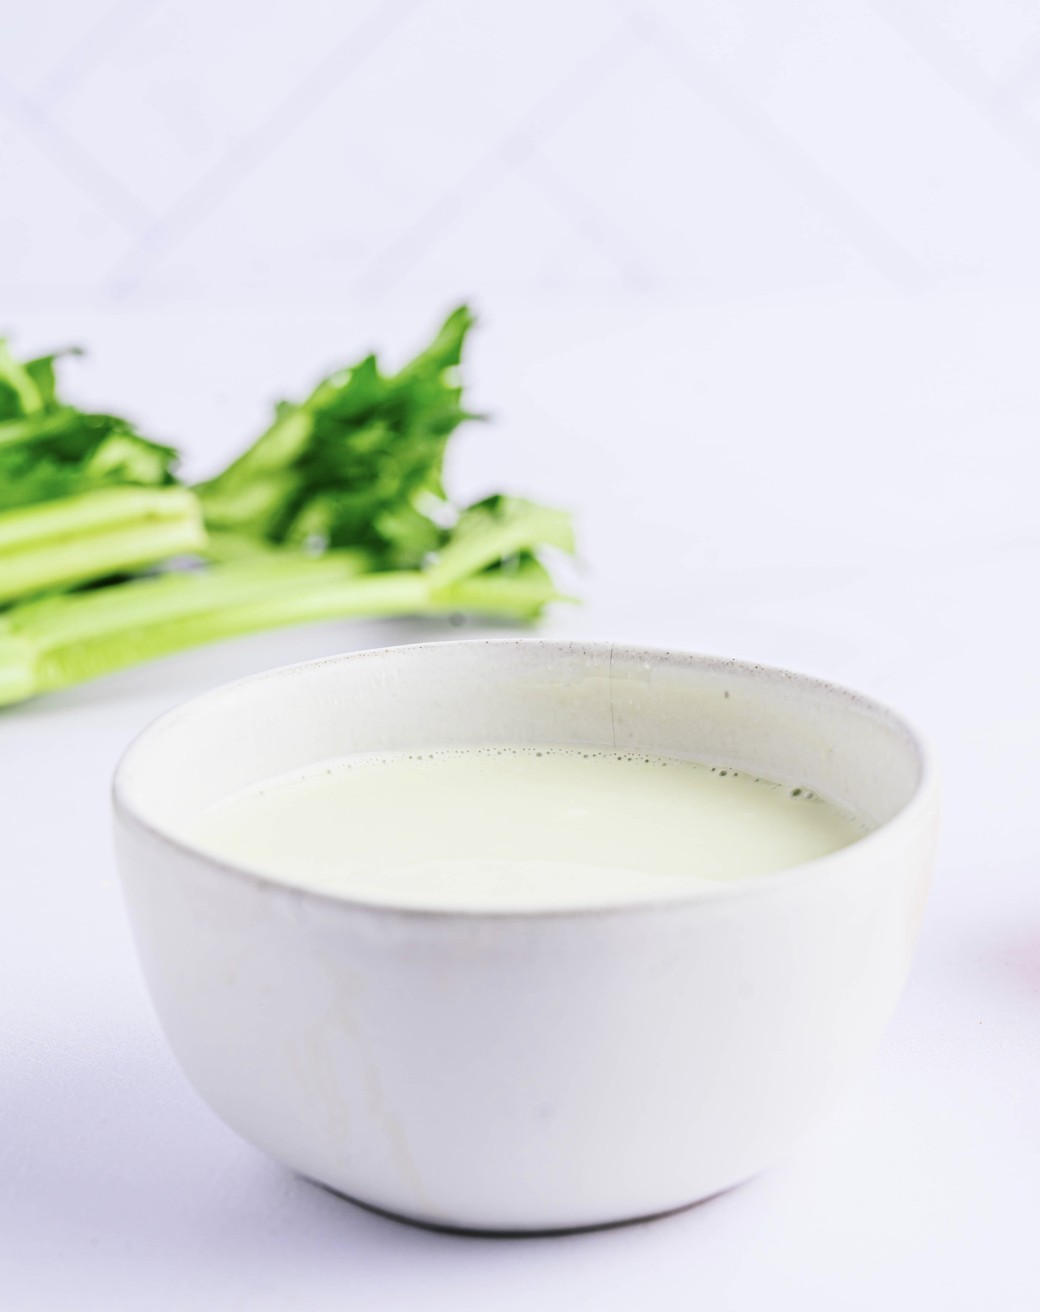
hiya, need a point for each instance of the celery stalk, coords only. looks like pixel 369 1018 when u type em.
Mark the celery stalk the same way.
pixel 58 544
pixel 58 641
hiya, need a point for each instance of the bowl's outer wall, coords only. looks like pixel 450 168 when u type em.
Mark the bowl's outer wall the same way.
pixel 528 1072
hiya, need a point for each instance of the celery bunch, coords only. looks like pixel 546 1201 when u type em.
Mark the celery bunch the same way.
pixel 337 510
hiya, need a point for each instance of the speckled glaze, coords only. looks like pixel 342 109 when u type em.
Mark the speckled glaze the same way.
pixel 532 1071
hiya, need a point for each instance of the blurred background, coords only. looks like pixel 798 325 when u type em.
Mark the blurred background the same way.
pixel 759 291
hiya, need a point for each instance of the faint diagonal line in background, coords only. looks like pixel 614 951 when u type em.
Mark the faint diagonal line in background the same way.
pixel 589 222
pixel 220 181
pixel 959 71
pixel 1021 78
pixel 515 149
pixel 76 163
pixel 79 62
pixel 813 183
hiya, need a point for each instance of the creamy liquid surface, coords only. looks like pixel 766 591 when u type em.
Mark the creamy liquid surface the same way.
pixel 515 828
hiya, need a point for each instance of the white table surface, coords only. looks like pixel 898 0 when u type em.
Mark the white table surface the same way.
pixel 845 484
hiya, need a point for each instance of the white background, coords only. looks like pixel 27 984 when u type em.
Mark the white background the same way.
pixel 760 299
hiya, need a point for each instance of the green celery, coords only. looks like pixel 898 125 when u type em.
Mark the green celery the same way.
pixel 495 529
pixel 520 594
pixel 338 510
pixel 354 463
pixel 61 543
pixel 62 640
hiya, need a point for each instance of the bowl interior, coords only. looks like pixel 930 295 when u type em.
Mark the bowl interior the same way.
pixel 785 726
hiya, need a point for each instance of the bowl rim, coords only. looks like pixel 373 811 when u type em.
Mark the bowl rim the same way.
pixel 925 797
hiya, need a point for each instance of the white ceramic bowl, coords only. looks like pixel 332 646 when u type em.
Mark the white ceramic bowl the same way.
pixel 527 1071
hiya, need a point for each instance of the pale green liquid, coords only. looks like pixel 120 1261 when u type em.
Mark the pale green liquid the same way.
pixel 520 827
